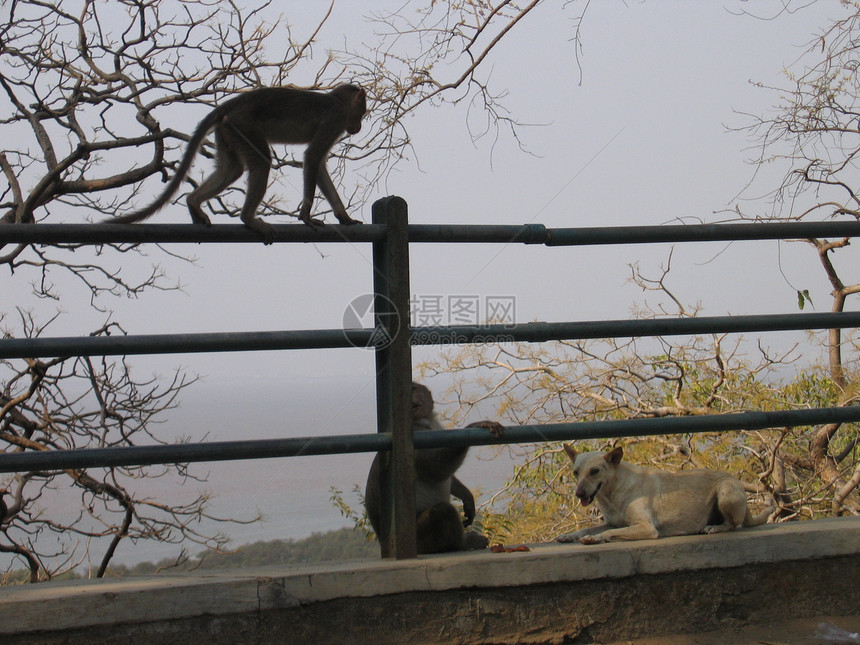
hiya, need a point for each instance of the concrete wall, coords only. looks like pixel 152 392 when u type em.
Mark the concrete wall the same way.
pixel 551 594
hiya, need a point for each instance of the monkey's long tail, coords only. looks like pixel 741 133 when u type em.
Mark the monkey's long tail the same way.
pixel 184 166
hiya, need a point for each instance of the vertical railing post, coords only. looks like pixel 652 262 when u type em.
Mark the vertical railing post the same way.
pixel 394 378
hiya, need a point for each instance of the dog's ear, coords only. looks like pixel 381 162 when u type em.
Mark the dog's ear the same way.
pixel 571 453
pixel 614 456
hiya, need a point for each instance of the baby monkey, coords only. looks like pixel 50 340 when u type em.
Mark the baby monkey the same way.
pixel 245 126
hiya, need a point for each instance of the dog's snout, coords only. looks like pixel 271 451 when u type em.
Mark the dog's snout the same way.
pixel 585 498
pixel 582 496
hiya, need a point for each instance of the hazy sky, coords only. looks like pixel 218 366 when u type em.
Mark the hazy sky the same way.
pixel 639 136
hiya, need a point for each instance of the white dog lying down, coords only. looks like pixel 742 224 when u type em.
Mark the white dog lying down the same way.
pixel 642 504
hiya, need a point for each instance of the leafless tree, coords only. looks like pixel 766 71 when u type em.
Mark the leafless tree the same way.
pixel 66 403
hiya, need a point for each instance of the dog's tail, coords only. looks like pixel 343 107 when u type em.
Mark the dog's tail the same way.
pixel 758 518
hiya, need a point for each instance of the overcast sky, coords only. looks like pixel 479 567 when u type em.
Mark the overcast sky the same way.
pixel 640 135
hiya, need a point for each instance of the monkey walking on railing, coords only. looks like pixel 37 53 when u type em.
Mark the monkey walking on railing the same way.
pixel 439 525
pixel 245 126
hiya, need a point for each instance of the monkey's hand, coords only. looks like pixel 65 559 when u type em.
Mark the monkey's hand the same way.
pixel 461 492
pixel 469 512
pixel 493 426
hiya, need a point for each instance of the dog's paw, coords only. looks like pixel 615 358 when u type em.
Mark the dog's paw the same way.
pixel 592 539
pixel 567 537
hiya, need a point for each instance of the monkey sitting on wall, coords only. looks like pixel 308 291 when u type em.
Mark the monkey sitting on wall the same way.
pixel 439 525
pixel 245 126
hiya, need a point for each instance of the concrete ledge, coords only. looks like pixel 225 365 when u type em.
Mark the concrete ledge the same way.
pixel 165 599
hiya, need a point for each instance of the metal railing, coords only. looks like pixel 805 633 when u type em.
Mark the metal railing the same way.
pixel 392 339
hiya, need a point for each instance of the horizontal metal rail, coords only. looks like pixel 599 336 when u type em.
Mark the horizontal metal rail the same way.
pixel 701 233
pixel 181 233
pixel 422 233
pixel 538 332
pixel 193 343
pixel 455 334
pixel 355 443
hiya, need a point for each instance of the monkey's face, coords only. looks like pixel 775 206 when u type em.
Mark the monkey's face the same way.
pixel 358 109
pixel 422 402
